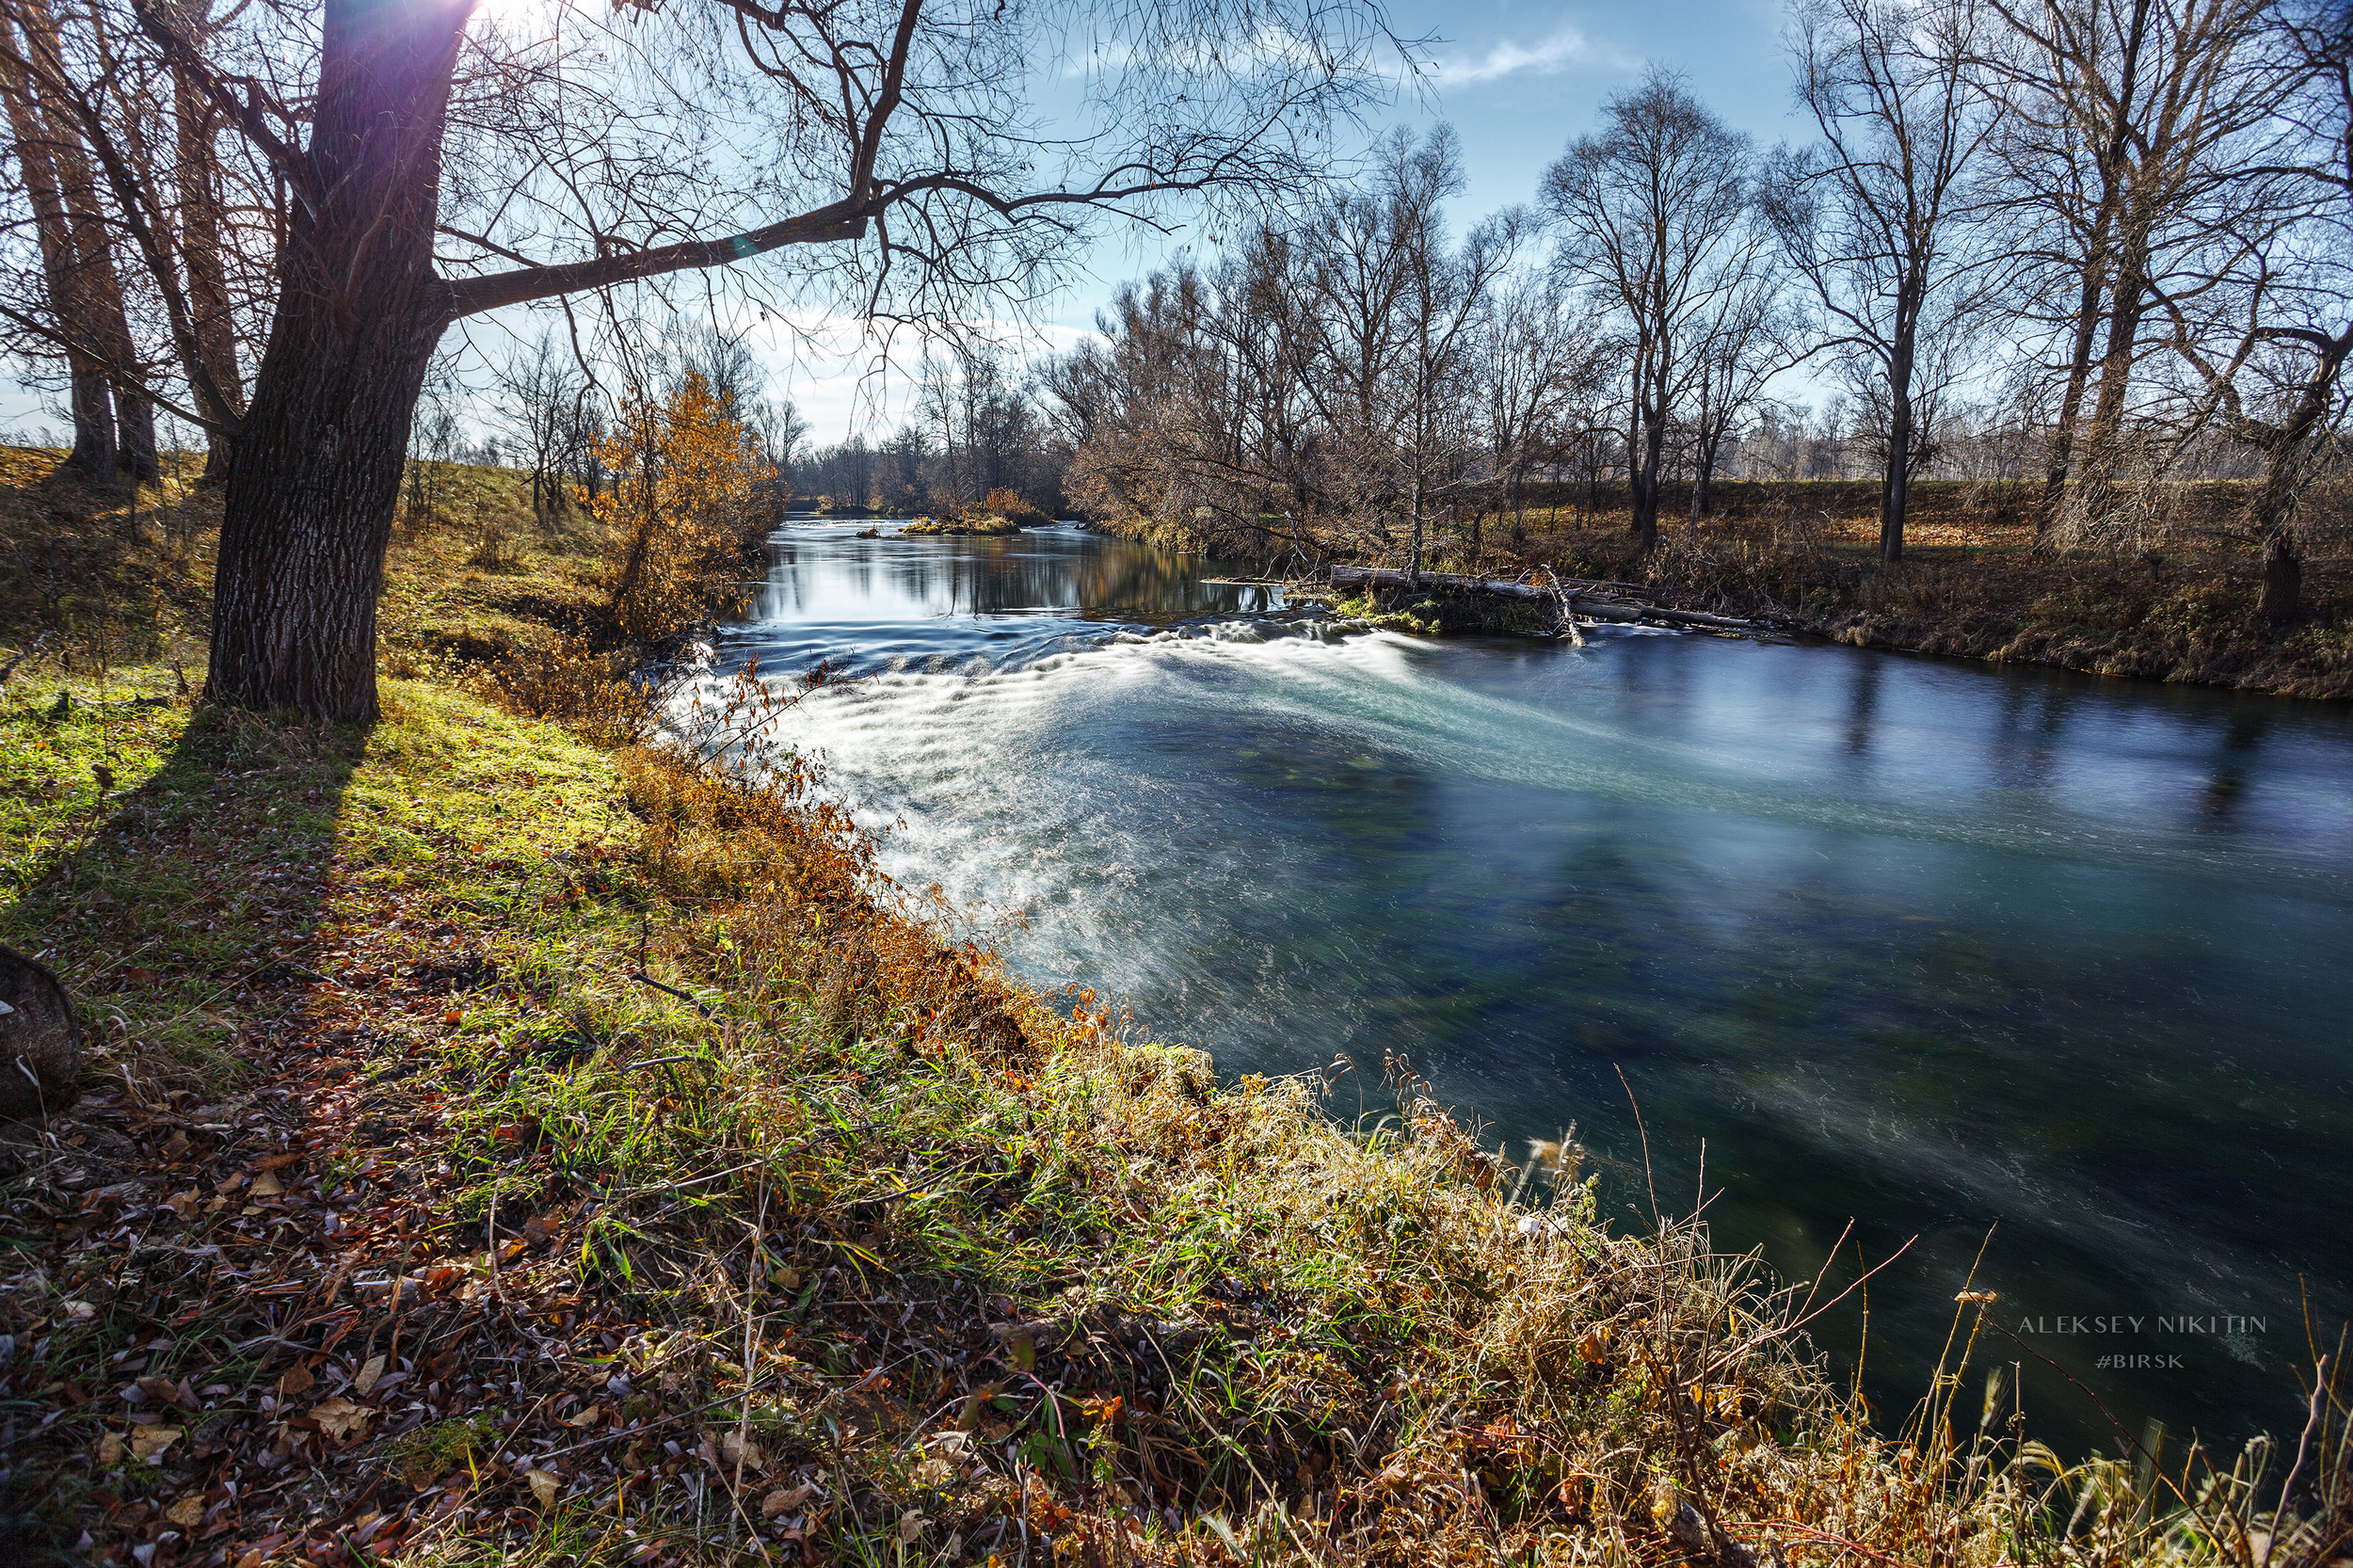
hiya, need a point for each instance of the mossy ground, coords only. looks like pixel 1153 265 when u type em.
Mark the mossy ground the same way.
pixel 984 524
pixel 502 1147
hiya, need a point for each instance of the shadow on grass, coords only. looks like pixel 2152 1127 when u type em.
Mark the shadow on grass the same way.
pixel 202 890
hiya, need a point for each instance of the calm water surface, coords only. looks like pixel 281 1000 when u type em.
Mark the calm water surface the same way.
pixel 1937 948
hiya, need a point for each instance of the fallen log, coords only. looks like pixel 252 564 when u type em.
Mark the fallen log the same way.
pixel 1385 577
pixel 1588 601
pixel 1696 617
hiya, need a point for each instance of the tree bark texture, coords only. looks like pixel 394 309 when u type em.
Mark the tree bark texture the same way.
pixel 1895 489
pixel 2288 447
pixel 2071 408
pixel 307 509
pixel 88 397
pixel 219 386
pixel 97 288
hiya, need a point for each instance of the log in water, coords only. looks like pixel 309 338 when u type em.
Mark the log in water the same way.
pixel 1584 600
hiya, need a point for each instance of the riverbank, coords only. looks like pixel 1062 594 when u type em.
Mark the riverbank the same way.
pixel 2181 608
pixel 531 1147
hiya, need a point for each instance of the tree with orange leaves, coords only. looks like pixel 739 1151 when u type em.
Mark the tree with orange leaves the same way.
pixel 678 513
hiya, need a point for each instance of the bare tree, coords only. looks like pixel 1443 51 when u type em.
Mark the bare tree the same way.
pixel 57 318
pixel 1540 362
pixel 419 165
pixel 1747 337
pixel 2130 124
pixel 1192 413
pixel 1446 292
pixel 87 318
pixel 170 237
pixel 541 392
pixel 1875 218
pixel 1653 217
pixel 2269 343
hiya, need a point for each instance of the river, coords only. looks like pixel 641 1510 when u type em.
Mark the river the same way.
pixel 1942 948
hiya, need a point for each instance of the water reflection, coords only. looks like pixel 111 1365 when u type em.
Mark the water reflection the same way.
pixel 1936 947
pixel 864 602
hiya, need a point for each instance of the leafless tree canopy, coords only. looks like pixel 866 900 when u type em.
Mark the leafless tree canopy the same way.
pixel 2097 243
pixel 2102 240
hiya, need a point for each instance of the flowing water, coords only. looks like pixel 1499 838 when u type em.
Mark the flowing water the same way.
pixel 1943 949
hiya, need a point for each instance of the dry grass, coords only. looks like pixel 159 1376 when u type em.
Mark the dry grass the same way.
pixel 2169 597
pixel 746 1215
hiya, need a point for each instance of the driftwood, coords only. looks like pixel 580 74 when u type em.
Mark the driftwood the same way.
pixel 1581 598
pixel 41 1040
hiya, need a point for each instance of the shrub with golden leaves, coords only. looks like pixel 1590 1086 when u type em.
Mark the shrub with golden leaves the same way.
pixel 677 516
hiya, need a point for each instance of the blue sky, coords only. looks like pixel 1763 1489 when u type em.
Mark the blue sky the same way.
pixel 1516 78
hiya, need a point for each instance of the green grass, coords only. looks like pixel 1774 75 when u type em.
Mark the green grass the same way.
pixel 217 854
pixel 687 1133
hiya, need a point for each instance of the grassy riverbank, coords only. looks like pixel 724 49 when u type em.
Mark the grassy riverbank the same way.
pixel 509 1141
pixel 2181 607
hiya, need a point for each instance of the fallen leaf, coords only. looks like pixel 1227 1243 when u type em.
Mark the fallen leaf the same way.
pixel 451 1016
pixel 230 1183
pixel 543 1486
pixel 586 1417
pixel 148 1442
pixel 739 1452
pixel 109 1451
pixel 78 1312
pixel 340 1417
pixel 365 1382
pixel 267 1185
pixel 278 1161
pixel 260 1551
pixel 910 1526
pixel 182 1203
pixel 297 1377
pixel 187 1512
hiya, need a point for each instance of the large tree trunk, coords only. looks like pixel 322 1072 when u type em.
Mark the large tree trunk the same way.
pixel 98 288
pixel 1646 478
pixel 1896 486
pixel 309 506
pixel 88 397
pixel 216 381
pixel 2286 446
pixel 1634 456
pixel 2071 410
pixel 2282 602
pixel 2103 440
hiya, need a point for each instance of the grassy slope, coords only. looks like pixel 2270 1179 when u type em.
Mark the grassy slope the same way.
pixel 505 1148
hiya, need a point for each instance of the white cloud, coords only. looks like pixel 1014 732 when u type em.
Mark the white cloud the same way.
pixel 1563 48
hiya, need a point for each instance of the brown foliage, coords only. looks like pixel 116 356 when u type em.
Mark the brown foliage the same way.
pixel 678 510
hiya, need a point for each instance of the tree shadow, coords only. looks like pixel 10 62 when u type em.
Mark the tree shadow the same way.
pixel 176 922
